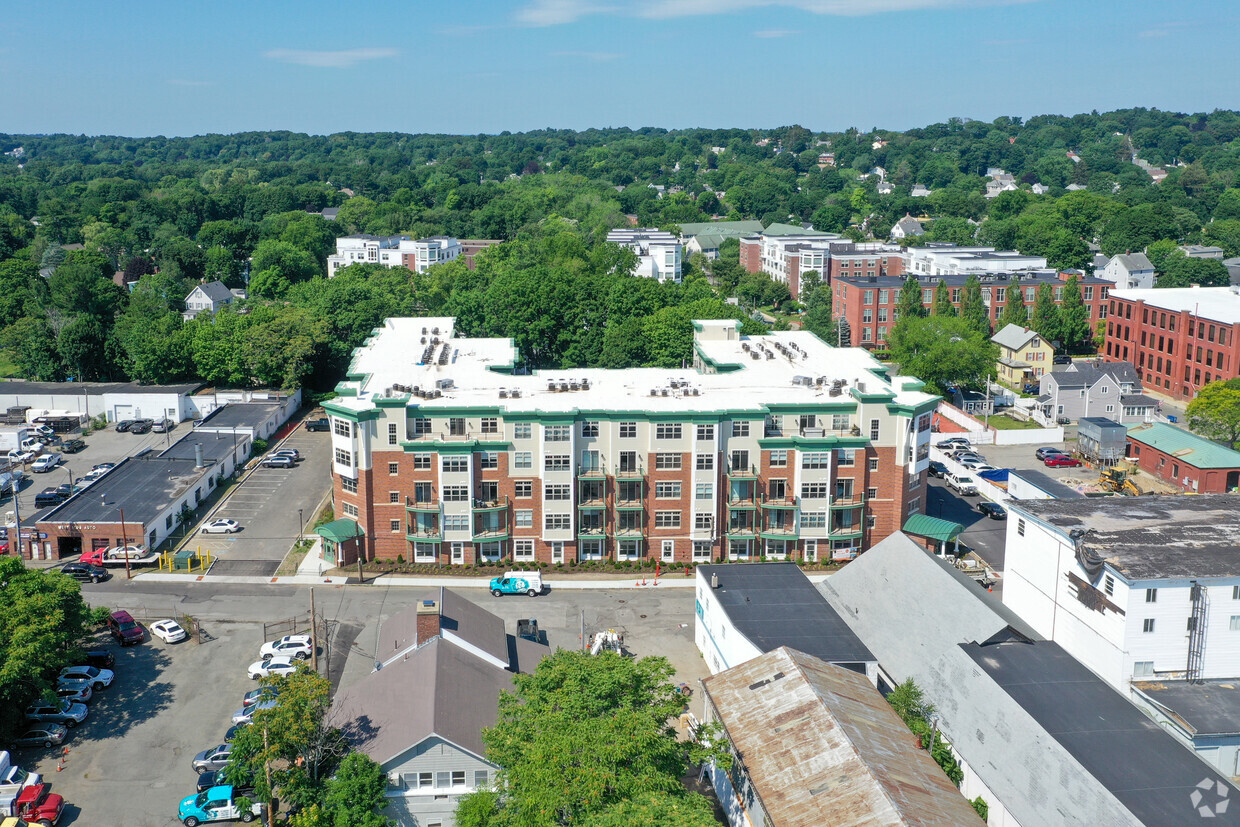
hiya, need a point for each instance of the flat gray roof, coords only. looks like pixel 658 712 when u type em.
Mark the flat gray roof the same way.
pixel 20 386
pixel 1171 536
pixel 240 414
pixel 1048 484
pixel 215 445
pixel 1203 707
pixel 143 486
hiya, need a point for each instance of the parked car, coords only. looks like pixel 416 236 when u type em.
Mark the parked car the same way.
pixel 962 484
pixel 282 461
pixel 86 572
pixel 141 426
pixel 219 803
pixel 125 629
pixel 169 631
pixel 1061 360
pixel 75 692
pixel 518 582
pixel 952 443
pixel 103 466
pixel 99 678
pixel 65 490
pixel 272 666
pixel 161 426
pixel 320 424
pixel 1043 453
pixel 245 714
pixel 99 658
pixel 972 463
pixel 983 468
pixel 62 712
pixel 214 758
pixel 209 779
pixel 1061 461
pixel 48 497
pixel 961 456
pixel 72 446
pixel 232 732
pixel 45 463
pixel 125 424
pixel 19 457
pixel 44 735
pixel 293 646
pixel 992 510
pixel 263 693
pixel 287 452
pixel 937 469
pixel 221 527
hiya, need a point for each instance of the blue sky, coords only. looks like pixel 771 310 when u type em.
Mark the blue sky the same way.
pixel 468 66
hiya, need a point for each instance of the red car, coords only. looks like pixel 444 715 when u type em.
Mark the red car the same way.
pixel 1061 461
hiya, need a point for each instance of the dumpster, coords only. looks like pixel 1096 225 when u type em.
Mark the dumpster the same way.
pixel 1171 418
pixel 186 560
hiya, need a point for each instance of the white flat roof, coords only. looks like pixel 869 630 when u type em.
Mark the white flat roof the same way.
pixel 1220 304
pixel 393 358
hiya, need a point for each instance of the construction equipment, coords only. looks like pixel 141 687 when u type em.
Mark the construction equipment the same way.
pixel 1118 480
pixel 609 641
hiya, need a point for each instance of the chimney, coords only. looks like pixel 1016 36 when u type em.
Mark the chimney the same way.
pixel 198 456
pixel 714 581
pixel 428 620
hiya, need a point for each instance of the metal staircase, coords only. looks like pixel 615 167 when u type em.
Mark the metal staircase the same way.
pixel 1197 631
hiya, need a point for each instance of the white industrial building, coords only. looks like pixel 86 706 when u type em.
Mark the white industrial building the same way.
pixel 129 400
pixel 1136 588
pixel 944 259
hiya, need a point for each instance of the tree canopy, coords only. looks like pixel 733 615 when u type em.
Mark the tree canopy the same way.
pixel 1215 411
pixel 943 351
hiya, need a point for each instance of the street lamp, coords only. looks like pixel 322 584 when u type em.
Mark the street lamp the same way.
pixel 301 524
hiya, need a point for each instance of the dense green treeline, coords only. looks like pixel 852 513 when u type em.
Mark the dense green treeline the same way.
pixel 241 209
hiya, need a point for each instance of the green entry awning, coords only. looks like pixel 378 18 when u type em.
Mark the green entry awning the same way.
pixel 923 525
pixel 339 531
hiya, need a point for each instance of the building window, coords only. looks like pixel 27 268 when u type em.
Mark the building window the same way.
pixel 488 461
pixel 393 496
pixel 628 430
pixel 522 430
pixel 557 462
pixel 1235 623
pixel 873 464
pixel 422 462
pixel 344 457
pixel 1151 595
pixel 480 778
pixel 667 490
pixel 349 510
pixel 1108 584
pixel 342 427
pixel 779 459
pixel 458 778
pixel 704 462
pixel 667 462
pixel 455 465
pixel 521 550
pixel 705 432
pixel 557 522
pixel 814 519
pixel 703 491
pixel 813 490
pixel 456 522
pixel 523 518
pixel 845 457
pixel 669 550
pixel 702 521
pixel 1143 669
pixel 391 433
pixel 701 550
pixel 816 459
pixel 1235 592
pixel 557 492
pixel 667 430
pixel 393 468
pixel 523 488
pixel 456 493
pixel 871 493
pixel 874 423
pixel 589 428
pixel 394 526
pixel 522 460
pixel 1147 625
pixel 425 779
pixel 667 519
pixel 348 485
pixel 490 425
pixel 740 429
pixel 556 433
pixel 1020 527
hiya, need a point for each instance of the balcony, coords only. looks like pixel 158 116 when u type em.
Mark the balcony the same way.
pixel 480 505
pixel 638 530
pixel 414 504
pixel 788 501
pixel 779 532
pixel 490 533
pixel 850 501
pixel 847 532
pixel 742 472
pixel 630 472
pixel 593 472
pixel 591 531
pixel 741 530
pixel 424 534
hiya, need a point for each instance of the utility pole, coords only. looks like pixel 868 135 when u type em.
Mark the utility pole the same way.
pixel 314 634
pixel 125 546
pixel 357 543
pixel 271 799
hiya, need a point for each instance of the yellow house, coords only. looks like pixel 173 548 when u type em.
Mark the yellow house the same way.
pixel 1023 355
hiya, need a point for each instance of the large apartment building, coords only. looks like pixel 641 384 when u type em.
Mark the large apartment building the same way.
pixel 1180 338
pixel 659 254
pixel 944 259
pixel 775 446
pixel 866 306
pixel 402 251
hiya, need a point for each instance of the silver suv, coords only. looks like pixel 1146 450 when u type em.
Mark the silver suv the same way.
pixel 64 712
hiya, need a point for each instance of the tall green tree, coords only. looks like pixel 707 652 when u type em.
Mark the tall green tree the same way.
pixel 909 304
pixel 1014 309
pixel 943 351
pixel 1182 271
pixel 973 307
pixel 942 301
pixel 1045 316
pixel 1075 331
pixel 1215 411
pixel 818 318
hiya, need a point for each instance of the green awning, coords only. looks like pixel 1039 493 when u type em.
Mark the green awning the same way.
pixel 923 525
pixel 339 531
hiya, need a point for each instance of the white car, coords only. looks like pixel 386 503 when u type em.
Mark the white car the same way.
pixel 274 666
pixel 245 714
pixel 169 631
pixel 289 646
pixel 221 527
pixel 98 678
pixel 45 463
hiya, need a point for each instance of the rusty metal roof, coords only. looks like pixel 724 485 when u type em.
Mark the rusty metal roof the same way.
pixel 821 746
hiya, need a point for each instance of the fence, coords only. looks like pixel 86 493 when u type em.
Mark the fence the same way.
pixel 963 424
pixel 148 615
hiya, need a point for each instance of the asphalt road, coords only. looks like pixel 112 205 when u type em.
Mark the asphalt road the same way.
pixel 985 536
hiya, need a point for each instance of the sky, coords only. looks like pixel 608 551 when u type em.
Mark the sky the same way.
pixel 144 68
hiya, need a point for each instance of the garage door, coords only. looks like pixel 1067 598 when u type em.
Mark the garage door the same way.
pixel 122 412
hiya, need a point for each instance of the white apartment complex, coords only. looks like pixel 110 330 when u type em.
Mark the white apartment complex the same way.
pixel 941 259
pixel 393 251
pixel 1135 588
pixel 659 253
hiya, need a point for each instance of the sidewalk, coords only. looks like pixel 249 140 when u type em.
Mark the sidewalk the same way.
pixel 411 581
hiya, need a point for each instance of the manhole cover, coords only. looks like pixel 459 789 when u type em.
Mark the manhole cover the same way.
pixel 621 601
pixel 641 615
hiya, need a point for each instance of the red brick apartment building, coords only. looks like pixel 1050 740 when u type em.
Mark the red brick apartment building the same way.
pixel 774 446
pixel 786 257
pixel 868 304
pixel 1180 338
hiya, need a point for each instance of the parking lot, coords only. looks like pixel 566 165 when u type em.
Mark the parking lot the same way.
pixel 266 505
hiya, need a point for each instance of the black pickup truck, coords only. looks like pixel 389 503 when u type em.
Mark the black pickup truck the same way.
pixel 320 424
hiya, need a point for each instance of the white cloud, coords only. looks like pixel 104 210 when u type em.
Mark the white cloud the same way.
pixel 597 57
pixel 553 12
pixel 767 34
pixel 330 60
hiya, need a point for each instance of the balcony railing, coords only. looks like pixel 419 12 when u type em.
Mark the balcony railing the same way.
pixel 423 533
pixel 850 501
pixel 786 501
pixel 487 532
pixel 587 531
pixel 497 504
pixel 780 532
pixel 592 472
pixel 810 432
pixel 630 472
pixel 846 532
pixel 742 471
pixel 416 504
pixel 748 500
pixel 630 530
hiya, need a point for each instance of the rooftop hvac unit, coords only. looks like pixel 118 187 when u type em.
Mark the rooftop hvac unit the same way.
pixel 563 386
pixel 417 391
pixel 443 383
pixel 573 384
pixel 835 391
pixel 423 339
pixel 435 330
pixel 503 394
pixel 755 355
pixel 770 355
pixel 654 391
pixel 424 333
pixel 664 392
pixel 516 394
pixel 585 384
pixel 820 380
pixel 745 346
pixel 694 392
pixel 860 387
pixel 804 355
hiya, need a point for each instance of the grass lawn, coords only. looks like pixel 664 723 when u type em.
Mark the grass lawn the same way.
pixel 7 368
pixel 1006 423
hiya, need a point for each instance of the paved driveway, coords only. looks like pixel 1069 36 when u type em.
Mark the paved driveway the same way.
pixel 266 505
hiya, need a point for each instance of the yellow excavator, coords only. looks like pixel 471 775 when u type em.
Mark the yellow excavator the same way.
pixel 1118 480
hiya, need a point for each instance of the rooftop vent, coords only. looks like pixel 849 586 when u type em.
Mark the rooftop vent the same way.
pixel 503 393
pixel 585 384
pixel 654 391
pixel 664 391
pixel 515 394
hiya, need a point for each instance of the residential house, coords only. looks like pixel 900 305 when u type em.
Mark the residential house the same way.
pixel 1135 590
pixel 439 669
pixel 920 191
pixel 885 188
pixel 1023 355
pixel 1184 459
pixel 743 610
pixel 1127 271
pixel 814 744
pixel 1039 189
pixel 659 253
pixel 1042 739
pixel 705 237
pixel 1201 251
pixel 907 226
pixel 207 298
pixel 974 403
pixel 1110 390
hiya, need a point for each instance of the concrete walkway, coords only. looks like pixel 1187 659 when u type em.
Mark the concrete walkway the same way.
pixel 405 580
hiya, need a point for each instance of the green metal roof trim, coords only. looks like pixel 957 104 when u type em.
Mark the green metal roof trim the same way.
pixel 392 401
pixel 811 407
pixel 881 396
pixel 813 443
pixel 350 414
pixel 468 446
pixel 923 525
pixel 339 531
pixel 721 367
pixel 913 410
pixel 1185 446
